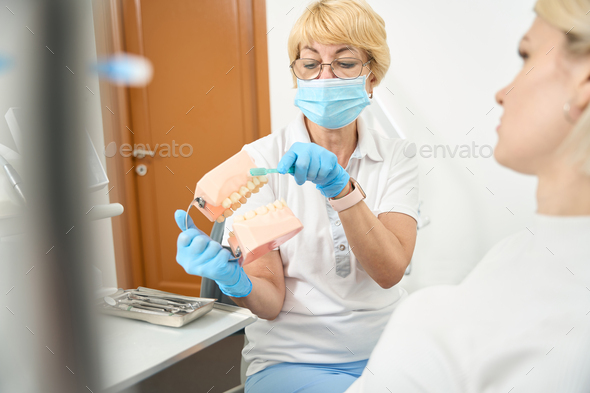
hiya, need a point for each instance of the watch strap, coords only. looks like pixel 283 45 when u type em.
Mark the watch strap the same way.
pixel 350 199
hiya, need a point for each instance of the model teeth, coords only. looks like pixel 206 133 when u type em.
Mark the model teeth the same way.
pixel 261 210
pixel 226 203
pixel 245 192
pixel 235 197
pixel 239 198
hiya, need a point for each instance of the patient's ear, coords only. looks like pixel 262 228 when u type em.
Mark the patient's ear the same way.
pixel 582 99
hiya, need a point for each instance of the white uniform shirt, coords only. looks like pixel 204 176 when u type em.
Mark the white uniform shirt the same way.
pixel 519 323
pixel 334 312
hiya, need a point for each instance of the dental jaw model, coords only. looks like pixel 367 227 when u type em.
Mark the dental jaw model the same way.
pixel 225 189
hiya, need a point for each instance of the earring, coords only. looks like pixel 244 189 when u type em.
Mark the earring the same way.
pixel 371 96
pixel 566 113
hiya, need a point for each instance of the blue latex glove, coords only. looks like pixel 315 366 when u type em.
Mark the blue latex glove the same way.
pixel 316 164
pixel 201 256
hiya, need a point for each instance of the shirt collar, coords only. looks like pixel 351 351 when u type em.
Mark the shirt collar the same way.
pixel 366 145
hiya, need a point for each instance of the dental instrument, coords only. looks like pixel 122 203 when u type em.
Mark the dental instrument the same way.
pixel 142 310
pixel 237 254
pixel 151 300
pixel 163 301
pixel 148 305
pixel 141 304
pixel 200 256
pixel 128 307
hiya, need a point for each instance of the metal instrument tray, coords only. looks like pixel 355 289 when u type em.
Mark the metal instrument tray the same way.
pixel 174 320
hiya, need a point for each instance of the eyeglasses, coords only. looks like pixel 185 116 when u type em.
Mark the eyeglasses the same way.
pixel 343 68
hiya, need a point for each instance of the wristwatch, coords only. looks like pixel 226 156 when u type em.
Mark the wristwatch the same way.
pixel 349 200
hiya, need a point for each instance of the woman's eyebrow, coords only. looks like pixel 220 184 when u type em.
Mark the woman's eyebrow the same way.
pixel 343 49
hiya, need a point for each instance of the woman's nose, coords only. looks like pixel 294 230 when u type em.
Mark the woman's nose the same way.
pixel 500 96
pixel 326 72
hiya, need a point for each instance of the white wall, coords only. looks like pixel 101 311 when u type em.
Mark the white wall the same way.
pixel 448 60
pixel 17 43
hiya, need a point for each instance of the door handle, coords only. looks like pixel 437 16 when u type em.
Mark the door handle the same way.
pixel 141 170
pixel 141 153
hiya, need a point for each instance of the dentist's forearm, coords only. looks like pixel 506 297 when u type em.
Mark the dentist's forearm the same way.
pixel 265 300
pixel 375 247
pixel 268 286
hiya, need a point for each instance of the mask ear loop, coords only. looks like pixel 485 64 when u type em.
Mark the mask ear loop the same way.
pixel 367 78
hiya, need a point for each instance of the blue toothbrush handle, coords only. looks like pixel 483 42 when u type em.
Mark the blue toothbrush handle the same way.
pixel 291 170
pixel 260 171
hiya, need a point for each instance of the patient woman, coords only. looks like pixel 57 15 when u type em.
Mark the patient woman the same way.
pixel 520 322
pixel 325 296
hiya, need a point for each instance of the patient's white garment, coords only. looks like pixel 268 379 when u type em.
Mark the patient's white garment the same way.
pixel 519 323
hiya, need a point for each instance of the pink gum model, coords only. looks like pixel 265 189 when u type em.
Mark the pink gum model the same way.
pixel 225 188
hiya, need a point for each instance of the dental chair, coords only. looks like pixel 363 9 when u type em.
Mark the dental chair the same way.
pixel 210 289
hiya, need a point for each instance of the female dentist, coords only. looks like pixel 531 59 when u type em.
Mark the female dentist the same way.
pixel 520 322
pixel 324 296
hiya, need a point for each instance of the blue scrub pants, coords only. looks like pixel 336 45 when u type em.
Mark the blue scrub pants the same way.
pixel 305 377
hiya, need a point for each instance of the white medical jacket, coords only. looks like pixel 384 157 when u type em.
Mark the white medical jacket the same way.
pixel 333 312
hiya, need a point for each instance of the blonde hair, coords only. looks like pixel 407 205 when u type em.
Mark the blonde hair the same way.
pixel 349 22
pixel 571 16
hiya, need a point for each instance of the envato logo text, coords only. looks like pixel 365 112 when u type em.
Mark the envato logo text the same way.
pixel 139 149
pixel 462 151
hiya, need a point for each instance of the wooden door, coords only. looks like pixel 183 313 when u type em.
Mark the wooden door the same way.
pixel 208 97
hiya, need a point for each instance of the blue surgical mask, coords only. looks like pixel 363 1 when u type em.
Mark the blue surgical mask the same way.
pixel 332 103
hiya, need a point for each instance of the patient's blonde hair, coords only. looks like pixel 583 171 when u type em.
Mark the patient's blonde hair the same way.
pixel 565 14
pixel 349 22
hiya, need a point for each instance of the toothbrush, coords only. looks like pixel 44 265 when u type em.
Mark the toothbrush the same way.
pixel 264 171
